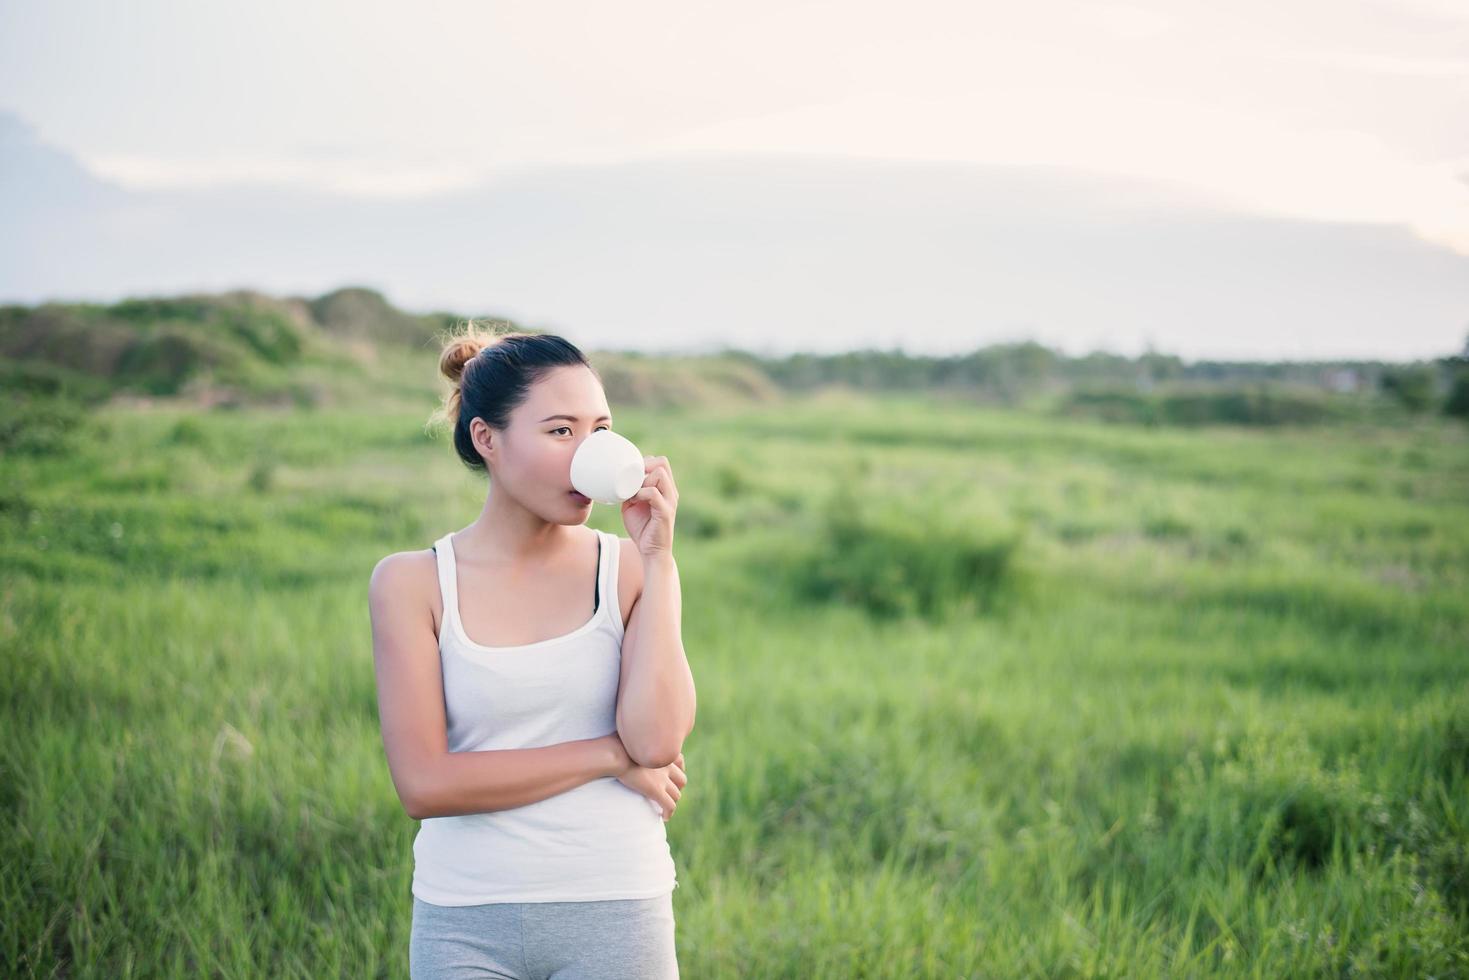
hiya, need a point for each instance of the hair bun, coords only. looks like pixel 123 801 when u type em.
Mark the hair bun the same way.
pixel 460 351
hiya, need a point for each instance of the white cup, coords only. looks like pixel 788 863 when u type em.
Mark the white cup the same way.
pixel 607 467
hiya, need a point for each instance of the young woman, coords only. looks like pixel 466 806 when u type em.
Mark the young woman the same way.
pixel 533 691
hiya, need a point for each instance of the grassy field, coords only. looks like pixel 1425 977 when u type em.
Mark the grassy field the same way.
pixel 981 693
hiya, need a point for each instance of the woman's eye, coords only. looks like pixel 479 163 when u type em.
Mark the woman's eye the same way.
pixel 568 428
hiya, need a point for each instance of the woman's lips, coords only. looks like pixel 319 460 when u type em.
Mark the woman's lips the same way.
pixel 579 498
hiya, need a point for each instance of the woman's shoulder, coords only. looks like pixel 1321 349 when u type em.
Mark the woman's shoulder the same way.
pixel 407 577
pixel 401 565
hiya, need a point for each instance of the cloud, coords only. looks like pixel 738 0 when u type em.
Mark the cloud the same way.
pixel 1237 158
pixel 371 178
pixel 1298 107
pixel 774 252
pixel 1382 63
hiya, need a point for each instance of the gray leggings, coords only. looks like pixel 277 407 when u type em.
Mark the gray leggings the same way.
pixel 616 938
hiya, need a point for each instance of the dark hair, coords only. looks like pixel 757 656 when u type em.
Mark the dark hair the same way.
pixel 492 373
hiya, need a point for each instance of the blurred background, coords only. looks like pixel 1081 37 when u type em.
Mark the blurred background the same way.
pixel 1069 404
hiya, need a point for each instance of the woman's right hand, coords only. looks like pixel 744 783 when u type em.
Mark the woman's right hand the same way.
pixel 663 785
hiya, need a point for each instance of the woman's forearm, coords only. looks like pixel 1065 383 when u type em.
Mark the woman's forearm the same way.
pixel 457 783
pixel 656 700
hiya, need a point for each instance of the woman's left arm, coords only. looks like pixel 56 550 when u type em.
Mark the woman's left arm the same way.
pixel 655 694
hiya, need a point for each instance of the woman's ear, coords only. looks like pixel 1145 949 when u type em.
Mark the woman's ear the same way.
pixel 481 435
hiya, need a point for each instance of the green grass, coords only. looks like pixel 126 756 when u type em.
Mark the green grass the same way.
pixel 981 693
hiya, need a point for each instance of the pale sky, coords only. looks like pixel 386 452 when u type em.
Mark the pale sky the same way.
pixel 1328 110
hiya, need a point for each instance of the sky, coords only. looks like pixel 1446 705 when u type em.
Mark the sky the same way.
pixel 1327 115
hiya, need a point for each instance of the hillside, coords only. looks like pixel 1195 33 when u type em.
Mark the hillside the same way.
pixel 246 347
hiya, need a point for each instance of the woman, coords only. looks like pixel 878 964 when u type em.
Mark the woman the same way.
pixel 540 748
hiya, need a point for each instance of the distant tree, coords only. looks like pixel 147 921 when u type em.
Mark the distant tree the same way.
pixel 1411 385
pixel 1457 404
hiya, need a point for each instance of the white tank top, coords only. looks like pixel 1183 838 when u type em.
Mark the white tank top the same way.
pixel 600 840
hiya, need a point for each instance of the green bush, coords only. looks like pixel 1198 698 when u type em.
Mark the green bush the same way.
pixel 1253 406
pixel 1249 406
pixel 163 360
pixel 1112 405
pixel 1411 386
pixel 894 561
pixel 38 426
pixel 42 380
pixel 152 345
pixel 1457 404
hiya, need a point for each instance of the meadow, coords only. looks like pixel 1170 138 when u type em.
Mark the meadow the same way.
pixel 983 691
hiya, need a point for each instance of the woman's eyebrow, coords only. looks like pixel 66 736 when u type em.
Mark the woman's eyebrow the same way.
pixel 573 418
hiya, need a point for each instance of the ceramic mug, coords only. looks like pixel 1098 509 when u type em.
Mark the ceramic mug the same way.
pixel 607 467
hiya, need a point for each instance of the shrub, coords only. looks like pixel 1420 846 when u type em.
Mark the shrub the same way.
pixel 1257 405
pixel 895 561
pixel 1457 403
pixel 1246 406
pixel 38 426
pixel 1411 386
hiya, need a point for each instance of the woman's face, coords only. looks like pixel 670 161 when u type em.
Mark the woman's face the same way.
pixel 531 459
